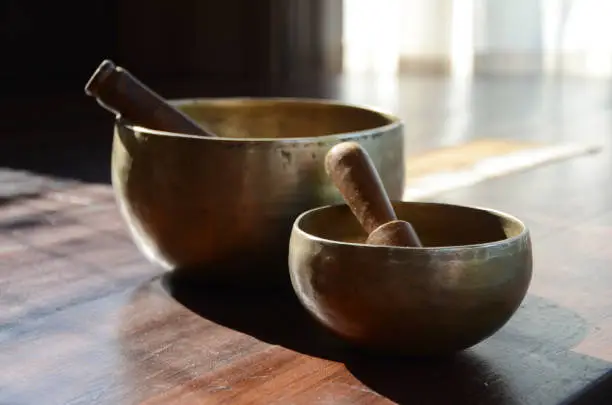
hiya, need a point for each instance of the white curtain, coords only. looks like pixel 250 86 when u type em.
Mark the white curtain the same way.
pixel 462 37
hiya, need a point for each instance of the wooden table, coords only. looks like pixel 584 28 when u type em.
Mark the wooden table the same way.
pixel 84 318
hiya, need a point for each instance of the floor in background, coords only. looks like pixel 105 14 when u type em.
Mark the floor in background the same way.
pixel 71 135
pixel 445 169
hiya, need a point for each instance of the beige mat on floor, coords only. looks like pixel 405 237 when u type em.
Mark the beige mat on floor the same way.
pixel 463 165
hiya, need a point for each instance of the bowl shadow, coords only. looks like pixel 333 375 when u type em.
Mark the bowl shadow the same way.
pixel 486 373
pixel 273 315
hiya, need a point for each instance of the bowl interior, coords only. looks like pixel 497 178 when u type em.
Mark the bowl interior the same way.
pixel 282 118
pixel 437 225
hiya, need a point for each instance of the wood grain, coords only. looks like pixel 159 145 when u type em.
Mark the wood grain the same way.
pixel 85 319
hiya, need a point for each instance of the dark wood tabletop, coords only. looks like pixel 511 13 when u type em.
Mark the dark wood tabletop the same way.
pixel 85 319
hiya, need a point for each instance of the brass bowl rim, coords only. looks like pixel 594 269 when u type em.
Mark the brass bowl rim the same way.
pixel 416 250
pixel 394 121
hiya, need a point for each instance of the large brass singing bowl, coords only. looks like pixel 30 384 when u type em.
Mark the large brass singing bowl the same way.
pixel 222 208
pixel 459 289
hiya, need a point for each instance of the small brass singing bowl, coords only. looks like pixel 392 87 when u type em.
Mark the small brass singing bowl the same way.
pixel 459 289
pixel 221 209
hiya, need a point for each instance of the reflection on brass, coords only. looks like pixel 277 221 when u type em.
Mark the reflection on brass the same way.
pixel 458 290
pixel 222 208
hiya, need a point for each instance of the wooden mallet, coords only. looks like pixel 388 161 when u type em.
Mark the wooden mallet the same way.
pixel 352 171
pixel 121 93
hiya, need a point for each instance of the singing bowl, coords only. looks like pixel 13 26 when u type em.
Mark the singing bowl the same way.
pixel 221 209
pixel 460 288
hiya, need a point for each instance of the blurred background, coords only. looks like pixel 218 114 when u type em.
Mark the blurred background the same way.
pixel 452 69
pixel 467 37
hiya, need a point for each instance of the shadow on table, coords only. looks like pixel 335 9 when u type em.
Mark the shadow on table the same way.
pixel 598 392
pixel 529 355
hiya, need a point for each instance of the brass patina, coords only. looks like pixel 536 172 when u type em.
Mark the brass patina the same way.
pixel 222 208
pixel 466 282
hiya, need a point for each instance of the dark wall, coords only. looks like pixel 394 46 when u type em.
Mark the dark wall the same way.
pixel 180 48
pixel 46 46
pixel 52 47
